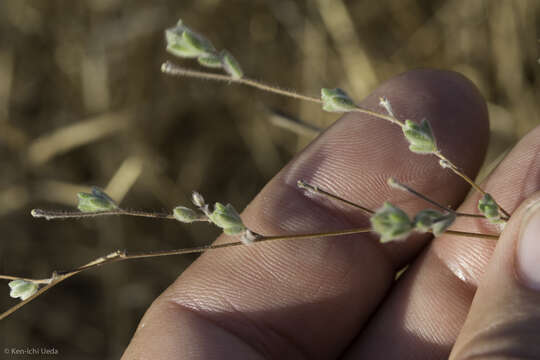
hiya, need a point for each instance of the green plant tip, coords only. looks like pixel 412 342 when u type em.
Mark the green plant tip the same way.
pixel 391 223
pixel 336 100
pixel 22 289
pixel 420 137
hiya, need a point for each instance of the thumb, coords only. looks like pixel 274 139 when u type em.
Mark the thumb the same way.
pixel 504 319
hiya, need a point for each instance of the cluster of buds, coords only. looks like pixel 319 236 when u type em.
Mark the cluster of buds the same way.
pixel 186 43
pixel 392 223
pixel 223 216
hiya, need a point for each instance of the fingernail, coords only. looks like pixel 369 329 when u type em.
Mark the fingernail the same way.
pixel 528 250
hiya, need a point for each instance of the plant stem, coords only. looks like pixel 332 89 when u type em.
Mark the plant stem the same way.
pixel 458 172
pixel 54 214
pixel 117 256
pixel 396 184
pixel 173 69
pixel 315 189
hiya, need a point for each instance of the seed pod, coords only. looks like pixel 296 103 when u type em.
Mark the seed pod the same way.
pixel 336 100
pixel 420 137
pixel 391 223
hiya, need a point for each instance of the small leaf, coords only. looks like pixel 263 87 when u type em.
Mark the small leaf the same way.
pixel 211 61
pixel 420 137
pixel 488 207
pixel 185 214
pixel 22 289
pixel 336 100
pixel 96 201
pixel 391 223
pixel 230 65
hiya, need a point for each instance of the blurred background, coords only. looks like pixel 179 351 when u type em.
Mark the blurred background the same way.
pixel 83 102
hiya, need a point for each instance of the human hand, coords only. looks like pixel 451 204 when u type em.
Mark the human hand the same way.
pixel 337 298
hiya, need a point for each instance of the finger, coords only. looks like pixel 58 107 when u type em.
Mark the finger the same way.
pixel 425 311
pixel 308 298
pixel 504 319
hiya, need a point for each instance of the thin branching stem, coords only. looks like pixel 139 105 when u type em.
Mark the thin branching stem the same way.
pixel 471 182
pixel 173 69
pixel 117 256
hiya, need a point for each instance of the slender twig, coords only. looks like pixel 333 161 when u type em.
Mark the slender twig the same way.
pixel 396 184
pixel 471 182
pixel 55 214
pixel 173 69
pixel 317 190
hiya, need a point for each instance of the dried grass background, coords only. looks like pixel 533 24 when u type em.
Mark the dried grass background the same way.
pixel 83 102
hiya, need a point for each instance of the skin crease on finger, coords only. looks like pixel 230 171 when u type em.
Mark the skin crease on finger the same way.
pixel 308 299
pixel 425 312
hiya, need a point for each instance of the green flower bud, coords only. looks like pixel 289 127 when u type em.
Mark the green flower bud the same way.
pixel 440 225
pixel 230 65
pixel 96 201
pixel 336 100
pixel 434 221
pixel 197 42
pixel 182 51
pixel 420 137
pixel 22 289
pixel 489 208
pixel 211 61
pixel 185 214
pixel 227 218
pixel 391 223
pixel 185 43
pixel 423 221
pixel 197 199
